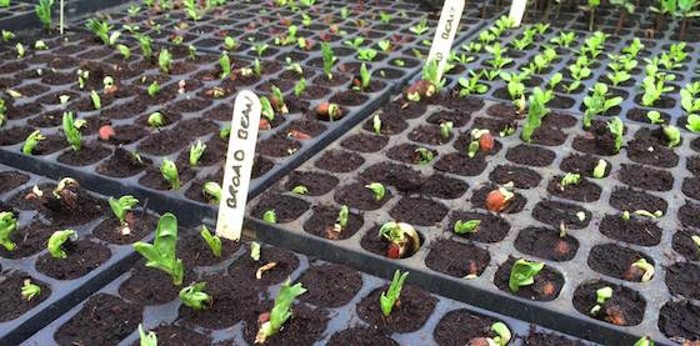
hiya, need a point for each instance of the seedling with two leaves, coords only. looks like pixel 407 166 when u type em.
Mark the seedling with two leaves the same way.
pixel 271 323
pixel 598 103
pixel 121 208
pixel 161 254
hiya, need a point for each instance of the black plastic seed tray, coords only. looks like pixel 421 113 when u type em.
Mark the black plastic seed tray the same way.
pixel 630 110
pixel 452 187
pixel 321 317
pixel 62 286
pixel 254 25
pixel 191 110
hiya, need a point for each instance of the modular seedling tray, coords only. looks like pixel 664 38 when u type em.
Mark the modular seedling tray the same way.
pixel 596 251
pixel 188 102
pixel 340 307
pixel 94 260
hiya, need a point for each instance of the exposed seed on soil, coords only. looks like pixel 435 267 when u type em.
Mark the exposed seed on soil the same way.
pixel 266 267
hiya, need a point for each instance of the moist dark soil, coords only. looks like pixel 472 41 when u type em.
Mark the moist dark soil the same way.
pixel 459 118
pixel 688 215
pixel 624 308
pixel 392 124
pixel 279 146
pixel 441 186
pixel 429 134
pixel 12 304
pixel 638 231
pixel 461 164
pixel 693 165
pixel 310 127
pixel 504 110
pixel 554 213
pixel 316 183
pixel 361 336
pixel 465 104
pixel 149 286
pixel 365 143
pixel 516 205
pixel 29 240
pixel 684 244
pixel 523 178
pixel 83 257
pixel 465 139
pixel 286 208
pixel 691 187
pixel 61 213
pixel 194 250
pixel 305 327
pixel 415 306
pixel 233 301
pixel 646 178
pixel 407 153
pixel 330 285
pixel 492 228
pixel 549 339
pixel 616 261
pixel 109 229
pixel 547 285
pixel 627 199
pixel 14 135
pixel 529 155
pixel 651 151
pixel 639 114
pixel 419 211
pixel 154 179
pixel 105 319
pixel 546 243
pixel 11 180
pixel 682 280
pixel 400 176
pixel 324 218
pixel 459 327
pixel 495 126
pixel 598 140
pixel 122 164
pixel 357 196
pixel 176 336
pixel 585 191
pixel 559 120
pixel 339 161
pixel 457 259
pixel 680 320
pixel 245 267
pixel 127 134
pixel 549 136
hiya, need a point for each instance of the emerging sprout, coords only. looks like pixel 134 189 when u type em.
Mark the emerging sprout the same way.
pixel 96 101
pixel 169 171
pixel 599 170
pixel 340 223
pixel 471 226
pixel 602 295
pixel 377 124
pixel 43 12
pixel 194 297
pixel 425 155
pixel 402 237
pixel 270 216
pixel 277 100
pixel 165 60
pixel 255 251
pixel 213 190
pixel 121 208
pixel 156 119
pixel 503 334
pixel 570 179
pixel 646 267
pixel 8 224
pixel 196 152
pixel 153 89
pixel 147 338
pixel 644 341
pixel 267 111
pixel 696 240
pixel 213 241
pixel 446 129
pixel 673 135
pixel 617 128
pixel 161 254
pixel 57 240
pixel 655 117
pixel 281 312
pixel 300 190
pixel 30 290
pixel 225 65
pixel 70 129
pixel 499 199
pixel 20 50
pixel 523 274
pixel 388 299
pixel 378 190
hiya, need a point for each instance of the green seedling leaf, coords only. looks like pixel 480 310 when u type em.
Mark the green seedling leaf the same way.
pixel 389 298
pixel 471 226
pixel 8 225
pixel 523 274
pixel 281 312
pixel 194 297
pixel 161 254
pixel 213 241
pixel 57 240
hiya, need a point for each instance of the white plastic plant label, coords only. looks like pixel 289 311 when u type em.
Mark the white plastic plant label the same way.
pixel 517 11
pixel 445 33
pixel 239 165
